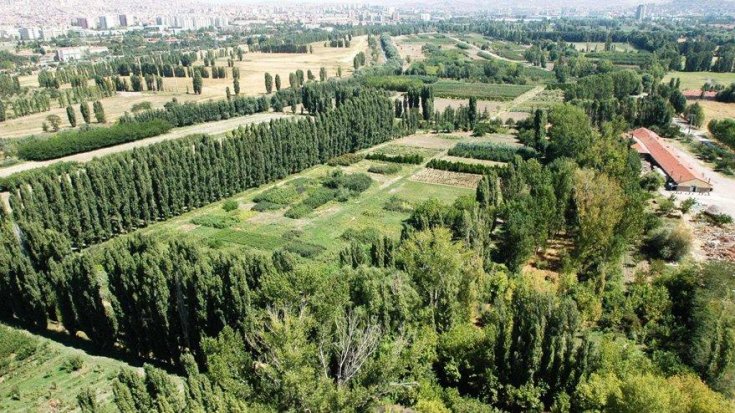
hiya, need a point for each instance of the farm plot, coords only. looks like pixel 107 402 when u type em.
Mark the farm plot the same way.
pixel 270 218
pixel 544 100
pixel 455 179
pixel 695 80
pixel 491 106
pixel 483 91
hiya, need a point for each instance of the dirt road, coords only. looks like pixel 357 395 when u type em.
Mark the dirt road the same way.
pixel 212 128
pixel 723 194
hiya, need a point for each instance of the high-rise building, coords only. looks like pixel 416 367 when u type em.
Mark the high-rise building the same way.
pixel 105 22
pixel 640 12
pixel 122 20
pixel 82 22
pixel 29 33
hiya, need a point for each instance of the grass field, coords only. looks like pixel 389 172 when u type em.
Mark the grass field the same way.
pixel 545 99
pixel 483 91
pixel 252 72
pixel 326 230
pixel 695 80
pixel 41 375
pixel 716 110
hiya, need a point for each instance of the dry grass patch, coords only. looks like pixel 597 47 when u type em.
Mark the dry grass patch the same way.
pixel 490 105
pixel 716 110
pixel 435 176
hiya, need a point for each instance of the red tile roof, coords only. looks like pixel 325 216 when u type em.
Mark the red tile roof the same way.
pixel 698 94
pixel 647 141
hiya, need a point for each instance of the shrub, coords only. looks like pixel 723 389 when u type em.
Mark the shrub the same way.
pixel 69 143
pixel 215 221
pixel 411 158
pixel 345 160
pixel 362 236
pixel 354 182
pixel 652 181
pixel 304 249
pixel 298 211
pixel 284 195
pixel 263 206
pixel 468 168
pixel 670 244
pixel 492 151
pixel 687 204
pixel 717 219
pixel 397 204
pixel 384 169
pixel 74 363
pixel 319 197
pixel 230 205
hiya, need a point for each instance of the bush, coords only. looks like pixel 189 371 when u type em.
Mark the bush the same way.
pixel 304 249
pixel 298 211
pixel 397 204
pixel 468 168
pixel 74 363
pixel 687 204
pixel 319 197
pixel 284 195
pixel 652 181
pixel 354 182
pixel 362 236
pixel 412 158
pixel 345 160
pixel 670 244
pixel 492 151
pixel 384 169
pixel 263 206
pixel 717 219
pixel 69 143
pixel 230 205
pixel 215 221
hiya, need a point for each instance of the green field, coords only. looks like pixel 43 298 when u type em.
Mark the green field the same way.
pixel 544 100
pixel 433 39
pixel 695 80
pixel 322 233
pixel 40 375
pixel 600 46
pixel 483 91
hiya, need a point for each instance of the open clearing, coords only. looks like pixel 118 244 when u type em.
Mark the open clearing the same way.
pixel 483 91
pixel 212 128
pixel 695 80
pixel 490 105
pixel 252 83
pixel 328 228
pixel 600 46
pixel 716 110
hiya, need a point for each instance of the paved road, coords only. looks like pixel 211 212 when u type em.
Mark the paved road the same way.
pixel 212 128
pixel 723 194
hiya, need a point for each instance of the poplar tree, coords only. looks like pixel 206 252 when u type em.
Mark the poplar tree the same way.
pixel 72 116
pixel 84 109
pixel 197 82
pixel 269 83
pixel 99 112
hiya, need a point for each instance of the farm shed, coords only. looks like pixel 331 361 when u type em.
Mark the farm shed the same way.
pixel 680 176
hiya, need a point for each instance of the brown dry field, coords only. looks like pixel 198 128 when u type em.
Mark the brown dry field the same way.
pixel 252 83
pixel 435 176
pixel 716 110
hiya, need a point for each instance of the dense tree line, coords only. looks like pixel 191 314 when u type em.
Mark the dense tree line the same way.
pixel 171 177
pixel 190 113
pixel 68 143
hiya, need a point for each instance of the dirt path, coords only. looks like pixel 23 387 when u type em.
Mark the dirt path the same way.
pixel 212 128
pixel 508 106
pixel 723 193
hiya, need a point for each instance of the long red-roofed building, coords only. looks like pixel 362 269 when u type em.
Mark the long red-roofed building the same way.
pixel 681 176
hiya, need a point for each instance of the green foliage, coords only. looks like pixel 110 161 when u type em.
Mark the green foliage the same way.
pixel 385 169
pixel 215 221
pixel 670 244
pixel 724 131
pixel 230 205
pixel 345 160
pixel 72 364
pixel 283 195
pixel 411 158
pixel 69 143
pixel 492 151
pixel 456 166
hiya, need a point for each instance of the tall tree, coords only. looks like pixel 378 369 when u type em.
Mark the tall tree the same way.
pixel 269 83
pixel 72 116
pixel 84 109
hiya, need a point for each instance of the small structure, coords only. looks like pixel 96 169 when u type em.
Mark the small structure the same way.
pixel 680 176
pixel 694 94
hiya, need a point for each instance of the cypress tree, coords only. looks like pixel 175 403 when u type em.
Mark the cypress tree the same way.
pixel 84 109
pixel 72 116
